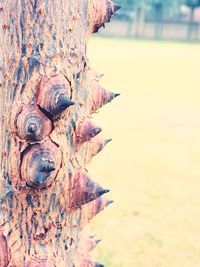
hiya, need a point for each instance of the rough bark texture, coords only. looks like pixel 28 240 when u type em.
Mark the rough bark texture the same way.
pixel 48 92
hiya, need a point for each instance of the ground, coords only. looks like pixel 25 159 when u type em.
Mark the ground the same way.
pixel 153 164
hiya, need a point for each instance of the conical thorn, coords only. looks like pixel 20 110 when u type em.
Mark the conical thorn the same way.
pixel 64 101
pixel 84 190
pixel 116 8
pixel 97 130
pixel 108 202
pixel 116 94
pixel 107 141
pixel 86 130
pixel 32 128
pixel 102 191
pixel 99 265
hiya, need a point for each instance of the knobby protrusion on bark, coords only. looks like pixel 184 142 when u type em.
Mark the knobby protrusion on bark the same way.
pixel 86 244
pixel 97 76
pixel 32 124
pixel 40 164
pixel 100 97
pixel 91 209
pixel 95 146
pixel 54 94
pixel 85 131
pixel 84 190
pixel 104 10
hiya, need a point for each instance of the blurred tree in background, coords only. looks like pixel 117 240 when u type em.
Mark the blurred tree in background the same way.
pixel 139 11
pixel 192 4
pixel 128 4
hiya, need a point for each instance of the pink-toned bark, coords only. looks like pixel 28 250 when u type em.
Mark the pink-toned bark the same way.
pixel 48 91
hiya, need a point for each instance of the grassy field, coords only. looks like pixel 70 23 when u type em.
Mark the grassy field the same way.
pixel 153 164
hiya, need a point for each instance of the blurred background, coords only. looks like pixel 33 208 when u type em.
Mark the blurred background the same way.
pixel 157 19
pixel 150 54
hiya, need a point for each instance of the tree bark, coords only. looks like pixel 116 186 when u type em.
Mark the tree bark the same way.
pixel 48 92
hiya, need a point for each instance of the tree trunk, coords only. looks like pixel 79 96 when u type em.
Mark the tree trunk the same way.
pixel 140 20
pixel 158 21
pixel 48 92
pixel 190 24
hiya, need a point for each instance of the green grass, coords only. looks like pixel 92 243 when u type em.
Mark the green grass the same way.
pixel 153 164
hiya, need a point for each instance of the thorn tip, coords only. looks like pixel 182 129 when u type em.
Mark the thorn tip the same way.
pixel 116 8
pixel 108 141
pixel 102 191
pixel 109 202
pixel 116 94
